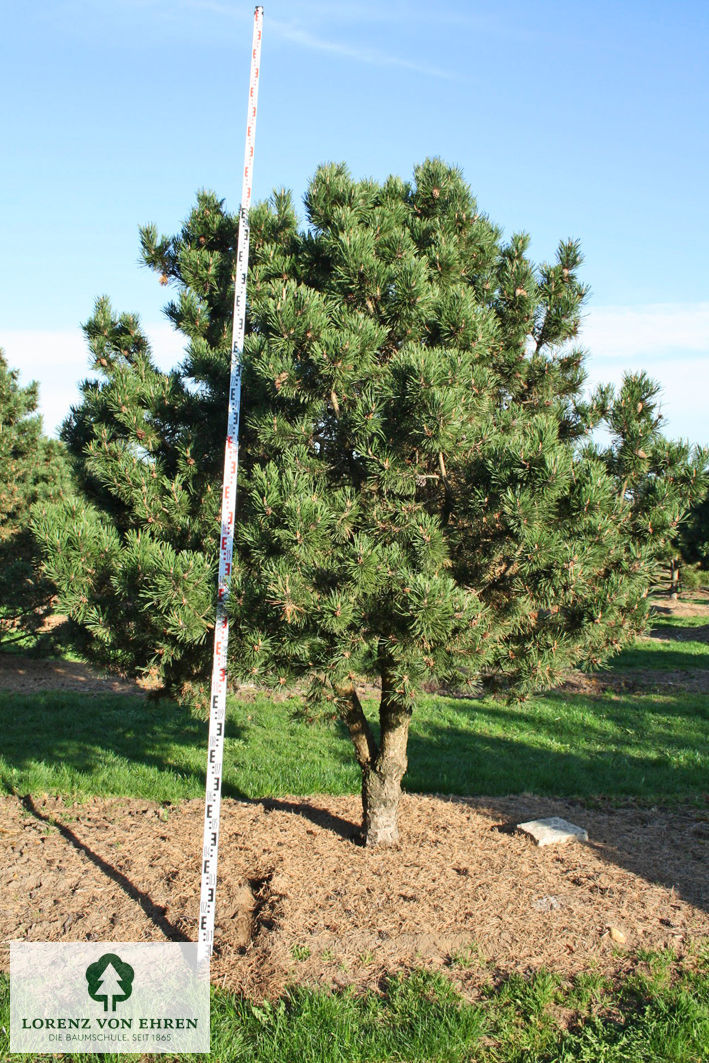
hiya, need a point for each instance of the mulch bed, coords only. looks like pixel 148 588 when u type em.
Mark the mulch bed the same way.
pixel 301 901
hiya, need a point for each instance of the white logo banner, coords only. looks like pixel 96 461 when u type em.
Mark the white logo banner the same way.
pixel 103 996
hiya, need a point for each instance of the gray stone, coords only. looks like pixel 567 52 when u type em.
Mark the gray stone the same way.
pixel 546 904
pixel 552 831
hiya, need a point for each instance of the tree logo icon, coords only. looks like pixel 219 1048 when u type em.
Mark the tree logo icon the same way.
pixel 110 980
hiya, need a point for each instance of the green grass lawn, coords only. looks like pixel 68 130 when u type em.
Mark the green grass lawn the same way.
pixel 684 653
pixel 653 747
pixel 658 1012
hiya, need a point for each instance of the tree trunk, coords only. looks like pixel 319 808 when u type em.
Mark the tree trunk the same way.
pixel 383 766
pixel 674 578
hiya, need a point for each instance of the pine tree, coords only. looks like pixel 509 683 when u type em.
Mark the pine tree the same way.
pixel 693 538
pixel 661 480
pixel 32 468
pixel 418 496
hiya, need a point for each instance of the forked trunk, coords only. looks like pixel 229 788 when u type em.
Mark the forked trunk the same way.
pixel 382 767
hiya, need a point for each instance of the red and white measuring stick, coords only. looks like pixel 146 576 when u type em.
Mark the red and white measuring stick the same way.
pixel 217 712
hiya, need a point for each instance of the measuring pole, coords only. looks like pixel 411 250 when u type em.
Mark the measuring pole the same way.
pixel 217 701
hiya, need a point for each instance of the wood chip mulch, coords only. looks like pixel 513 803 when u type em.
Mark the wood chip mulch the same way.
pixel 301 901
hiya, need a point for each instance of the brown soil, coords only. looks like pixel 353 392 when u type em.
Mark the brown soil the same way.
pixel 637 680
pixel 694 604
pixel 31 675
pixel 300 901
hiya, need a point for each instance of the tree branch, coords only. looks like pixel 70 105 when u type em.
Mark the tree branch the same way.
pixel 448 501
pixel 352 715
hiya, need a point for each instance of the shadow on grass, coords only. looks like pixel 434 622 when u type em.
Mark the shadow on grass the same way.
pixel 681 632
pixel 660 657
pixel 96 745
pixel 626 746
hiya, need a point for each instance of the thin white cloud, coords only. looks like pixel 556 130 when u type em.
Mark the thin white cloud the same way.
pixel 312 25
pixel 670 341
pixel 371 56
pixel 646 332
pixel 59 361
pixel 294 33
pixel 403 13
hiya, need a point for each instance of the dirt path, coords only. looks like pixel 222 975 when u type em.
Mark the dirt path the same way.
pixel 31 675
pixel 299 900
pixel 26 675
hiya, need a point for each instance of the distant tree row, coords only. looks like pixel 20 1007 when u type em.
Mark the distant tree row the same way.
pixel 32 469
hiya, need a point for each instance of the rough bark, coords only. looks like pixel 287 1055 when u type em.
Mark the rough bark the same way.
pixel 381 792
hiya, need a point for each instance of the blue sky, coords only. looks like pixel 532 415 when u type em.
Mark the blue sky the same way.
pixel 568 119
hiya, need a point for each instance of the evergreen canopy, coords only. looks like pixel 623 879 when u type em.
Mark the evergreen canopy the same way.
pixel 418 499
